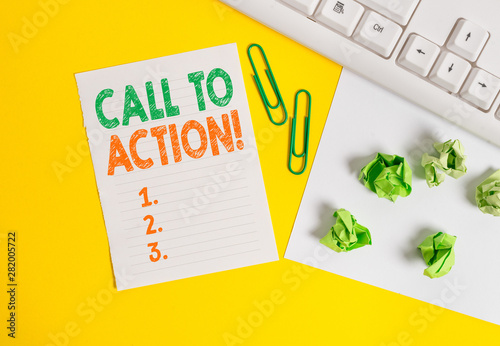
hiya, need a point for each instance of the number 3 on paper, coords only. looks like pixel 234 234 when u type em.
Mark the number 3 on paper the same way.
pixel 155 251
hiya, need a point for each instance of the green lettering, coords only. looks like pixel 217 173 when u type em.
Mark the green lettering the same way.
pixel 109 124
pixel 155 112
pixel 219 101
pixel 132 106
pixel 196 78
pixel 167 99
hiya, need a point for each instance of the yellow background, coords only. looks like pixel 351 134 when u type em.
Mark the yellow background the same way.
pixel 63 257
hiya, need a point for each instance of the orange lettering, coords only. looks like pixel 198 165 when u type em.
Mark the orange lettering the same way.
pixel 194 125
pixel 143 164
pixel 174 138
pixel 215 132
pixel 120 160
pixel 159 132
pixel 237 129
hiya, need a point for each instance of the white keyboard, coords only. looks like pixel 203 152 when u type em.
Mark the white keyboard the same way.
pixel 441 54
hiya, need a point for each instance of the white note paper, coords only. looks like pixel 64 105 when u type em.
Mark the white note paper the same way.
pixel 365 119
pixel 180 185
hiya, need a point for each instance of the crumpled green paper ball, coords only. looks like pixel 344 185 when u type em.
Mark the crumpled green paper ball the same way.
pixel 346 234
pixel 451 161
pixel 488 195
pixel 389 176
pixel 438 253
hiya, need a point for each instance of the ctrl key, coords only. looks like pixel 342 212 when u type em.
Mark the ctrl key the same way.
pixel 378 33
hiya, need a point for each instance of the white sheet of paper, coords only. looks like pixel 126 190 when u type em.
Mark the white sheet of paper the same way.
pixel 208 212
pixel 365 119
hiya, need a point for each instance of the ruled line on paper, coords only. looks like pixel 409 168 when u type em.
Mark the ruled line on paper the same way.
pixel 150 140
pixel 180 172
pixel 187 198
pixel 181 218
pixel 183 163
pixel 195 234
pixel 160 238
pixel 201 251
pixel 184 114
pixel 158 92
pixel 185 190
pixel 211 212
pixel 204 260
pixel 202 223
pixel 204 176
pixel 132 234
pixel 192 244
pixel 211 204
pixel 199 186
pixel 218 248
pixel 171 82
pixel 222 155
pixel 134 124
pixel 203 242
pixel 169 183
pixel 190 103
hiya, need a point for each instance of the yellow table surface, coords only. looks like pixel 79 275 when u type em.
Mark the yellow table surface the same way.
pixel 66 293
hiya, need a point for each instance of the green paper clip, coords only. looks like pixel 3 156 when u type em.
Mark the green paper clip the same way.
pixel 292 152
pixel 274 85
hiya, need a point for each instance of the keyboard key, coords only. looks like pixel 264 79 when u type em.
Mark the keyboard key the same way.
pixel 481 88
pixel 450 71
pixel 419 55
pixel 341 16
pixel 378 33
pixel 306 6
pixel 467 40
pixel 398 10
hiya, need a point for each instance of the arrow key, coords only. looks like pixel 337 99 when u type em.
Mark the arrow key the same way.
pixel 467 39
pixel 418 55
pixel 450 72
pixel 481 88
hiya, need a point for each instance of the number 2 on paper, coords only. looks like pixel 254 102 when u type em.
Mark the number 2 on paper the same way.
pixel 150 229
pixel 155 253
